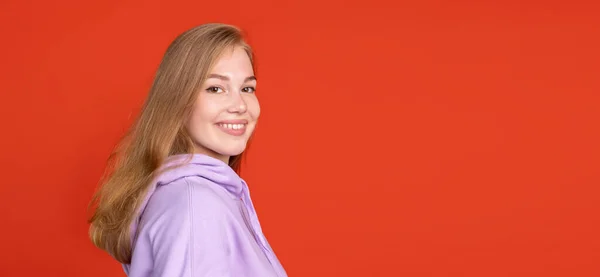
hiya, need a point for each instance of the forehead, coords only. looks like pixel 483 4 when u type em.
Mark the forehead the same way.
pixel 234 61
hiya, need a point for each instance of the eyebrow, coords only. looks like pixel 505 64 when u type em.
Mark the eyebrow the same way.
pixel 225 78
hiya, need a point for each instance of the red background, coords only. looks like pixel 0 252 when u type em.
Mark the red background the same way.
pixel 412 138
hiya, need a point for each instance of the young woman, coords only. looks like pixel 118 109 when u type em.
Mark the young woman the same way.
pixel 172 203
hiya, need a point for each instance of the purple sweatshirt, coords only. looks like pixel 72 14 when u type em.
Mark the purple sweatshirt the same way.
pixel 198 220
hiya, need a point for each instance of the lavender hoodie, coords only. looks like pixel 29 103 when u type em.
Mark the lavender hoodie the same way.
pixel 198 220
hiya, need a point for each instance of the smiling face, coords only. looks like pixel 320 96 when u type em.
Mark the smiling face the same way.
pixel 226 110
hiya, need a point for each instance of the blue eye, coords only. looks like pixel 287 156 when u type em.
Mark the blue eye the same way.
pixel 249 89
pixel 214 89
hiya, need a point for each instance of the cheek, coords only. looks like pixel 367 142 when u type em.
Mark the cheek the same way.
pixel 254 108
pixel 199 117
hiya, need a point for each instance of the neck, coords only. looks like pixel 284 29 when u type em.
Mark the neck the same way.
pixel 212 154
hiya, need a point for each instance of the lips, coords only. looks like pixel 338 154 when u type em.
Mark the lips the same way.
pixel 233 127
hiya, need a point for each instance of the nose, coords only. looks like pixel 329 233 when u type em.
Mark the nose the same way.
pixel 238 104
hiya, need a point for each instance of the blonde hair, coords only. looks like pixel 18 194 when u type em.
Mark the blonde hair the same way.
pixel 158 133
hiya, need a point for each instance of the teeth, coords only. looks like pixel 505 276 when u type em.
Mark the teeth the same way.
pixel 233 126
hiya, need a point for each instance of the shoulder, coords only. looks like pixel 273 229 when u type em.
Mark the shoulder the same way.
pixel 174 210
pixel 186 195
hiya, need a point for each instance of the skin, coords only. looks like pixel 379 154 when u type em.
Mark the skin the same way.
pixel 226 97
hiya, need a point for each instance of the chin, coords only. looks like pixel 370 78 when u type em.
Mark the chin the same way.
pixel 232 150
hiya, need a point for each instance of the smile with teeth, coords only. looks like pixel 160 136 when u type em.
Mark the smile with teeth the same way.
pixel 232 126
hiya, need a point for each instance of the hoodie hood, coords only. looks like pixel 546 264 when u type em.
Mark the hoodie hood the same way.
pixel 203 166
pixel 186 165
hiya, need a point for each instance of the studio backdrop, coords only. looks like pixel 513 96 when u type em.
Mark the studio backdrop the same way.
pixel 397 138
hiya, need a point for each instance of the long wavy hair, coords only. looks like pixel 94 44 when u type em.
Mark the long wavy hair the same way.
pixel 158 132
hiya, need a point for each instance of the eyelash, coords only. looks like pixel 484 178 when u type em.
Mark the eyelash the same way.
pixel 252 88
pixel 211 89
